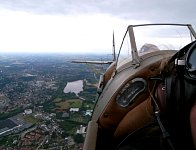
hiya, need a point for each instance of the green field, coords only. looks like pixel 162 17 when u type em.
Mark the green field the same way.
pixel 31 119
pixel 69 103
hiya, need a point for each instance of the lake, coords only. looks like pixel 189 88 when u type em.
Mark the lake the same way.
pixel 74 87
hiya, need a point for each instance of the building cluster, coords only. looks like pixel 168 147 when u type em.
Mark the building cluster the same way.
pixel 33 92
pixel 32 139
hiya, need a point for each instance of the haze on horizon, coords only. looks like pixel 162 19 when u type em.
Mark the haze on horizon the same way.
pixel 81 26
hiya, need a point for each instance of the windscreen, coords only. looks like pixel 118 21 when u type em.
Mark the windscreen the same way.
pixel 152 38
pixel 125 49
pixel 162 37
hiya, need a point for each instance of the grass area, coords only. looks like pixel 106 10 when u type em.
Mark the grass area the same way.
pixel 31 119
pixel 69 126
pixel 88 105
pixel 76 103
pixel 69 103
pixel 79 118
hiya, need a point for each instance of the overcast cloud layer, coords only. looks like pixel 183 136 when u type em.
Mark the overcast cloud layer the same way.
pixel 182 11
pixel 146 11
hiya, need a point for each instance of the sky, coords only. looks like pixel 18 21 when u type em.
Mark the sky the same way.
pixel 81 26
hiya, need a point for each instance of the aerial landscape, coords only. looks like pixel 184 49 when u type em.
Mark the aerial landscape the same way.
pixel 46 100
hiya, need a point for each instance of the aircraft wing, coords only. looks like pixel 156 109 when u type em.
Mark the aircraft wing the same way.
pixel 92 62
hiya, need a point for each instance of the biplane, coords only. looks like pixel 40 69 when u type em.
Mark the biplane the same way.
pixel 146 99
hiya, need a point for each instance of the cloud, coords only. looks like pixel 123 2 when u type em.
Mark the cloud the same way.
pixel 32 32
pixel 178 11
pixel 82 24
pixel 109 6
